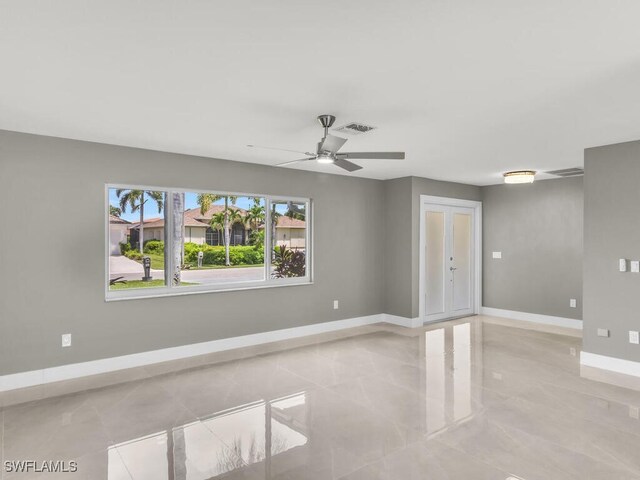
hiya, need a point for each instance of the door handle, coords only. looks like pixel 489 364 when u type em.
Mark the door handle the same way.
pixel 452 268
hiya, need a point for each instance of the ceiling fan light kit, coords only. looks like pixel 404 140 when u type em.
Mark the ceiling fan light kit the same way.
pixel 327 150
pixel 325 159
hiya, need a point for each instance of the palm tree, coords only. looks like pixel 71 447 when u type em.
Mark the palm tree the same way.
pixel 177 236
pixel 295 210
pixel 115 211
pixel 254 216
pixel 205 200
pixel 217 223
pixel 135 200
pixel 275 216
pixel 234 216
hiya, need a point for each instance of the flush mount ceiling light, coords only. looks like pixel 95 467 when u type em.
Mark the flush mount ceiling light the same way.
pixel 519 176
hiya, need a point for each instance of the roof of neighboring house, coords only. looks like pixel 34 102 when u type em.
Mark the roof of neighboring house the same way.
pixel 213 209
pixel 117 220
pixel 288 222
pixel 193 218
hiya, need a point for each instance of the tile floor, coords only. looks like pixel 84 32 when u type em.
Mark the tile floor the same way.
pixel 459 400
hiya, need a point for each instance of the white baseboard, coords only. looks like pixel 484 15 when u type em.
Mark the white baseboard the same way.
pixel 402 321
pixel 94 367
pixel 533 317
pixel 603 362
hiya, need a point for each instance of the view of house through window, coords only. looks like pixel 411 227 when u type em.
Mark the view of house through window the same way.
pixel 289 238
pixel 223 239
pixel 136 220
pixel 201 238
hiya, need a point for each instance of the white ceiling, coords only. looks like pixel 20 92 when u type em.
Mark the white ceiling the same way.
pixel 468 89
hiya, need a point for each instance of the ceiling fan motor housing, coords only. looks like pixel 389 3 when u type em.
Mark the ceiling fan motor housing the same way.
pixel 326 120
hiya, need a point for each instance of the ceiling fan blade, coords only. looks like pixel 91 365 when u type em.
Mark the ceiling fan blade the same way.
pixel 281 149
pixel 348 166
pixel 373 155
pixel 295 161
pixel 332 143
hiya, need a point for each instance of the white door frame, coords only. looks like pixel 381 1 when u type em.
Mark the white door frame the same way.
pixel 477 236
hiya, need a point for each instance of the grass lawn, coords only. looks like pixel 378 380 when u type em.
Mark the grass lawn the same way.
pixel 157 261
pixel 140 284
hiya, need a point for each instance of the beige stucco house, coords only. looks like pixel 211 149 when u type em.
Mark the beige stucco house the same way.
pixel 289 231
pixel 118 232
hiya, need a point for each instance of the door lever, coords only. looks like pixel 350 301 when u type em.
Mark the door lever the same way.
pixel 452 268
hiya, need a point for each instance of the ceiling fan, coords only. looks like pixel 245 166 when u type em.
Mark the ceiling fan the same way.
pixel 327 150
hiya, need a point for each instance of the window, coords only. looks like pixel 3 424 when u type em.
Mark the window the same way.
pixel 288 221
pixel 173 241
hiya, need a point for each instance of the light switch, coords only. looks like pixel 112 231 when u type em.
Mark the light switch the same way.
pixel 66 339
pixel 623 265
pixel 603 332
pixel 572 303
pixel 634 337
pixel 497 254
pixel 635 266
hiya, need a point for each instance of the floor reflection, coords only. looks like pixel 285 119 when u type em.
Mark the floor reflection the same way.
pixel 249 436
pixel 226 441
pixel 448 385
pixel 463 399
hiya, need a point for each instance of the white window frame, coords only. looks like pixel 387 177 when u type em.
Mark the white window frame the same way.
pixel 171 290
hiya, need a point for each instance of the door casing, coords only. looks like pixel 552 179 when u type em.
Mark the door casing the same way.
pixel 426 200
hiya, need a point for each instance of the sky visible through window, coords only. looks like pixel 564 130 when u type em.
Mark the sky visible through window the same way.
pixel 151 209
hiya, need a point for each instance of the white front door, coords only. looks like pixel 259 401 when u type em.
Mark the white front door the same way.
pixel 448 280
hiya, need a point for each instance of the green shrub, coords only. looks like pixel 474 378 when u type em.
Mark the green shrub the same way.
pixel 288 263
pixel 256 238
pixel 133 255
pixel 124 248
pixel 238 255
pixel 154 246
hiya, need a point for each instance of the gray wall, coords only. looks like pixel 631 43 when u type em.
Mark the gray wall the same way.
pixel 402 242
pixel 397 246
pixel 366 247
pixel 612 231
pixel 425 186
pixel 538 228
pixel 52 253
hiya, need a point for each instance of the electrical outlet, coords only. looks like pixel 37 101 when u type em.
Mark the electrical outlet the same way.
pixel 634 337
pixel 496 375
pixel 623 264
pixel 635 266
pixel 497 254
pixel 634 412
pixel 335 305
pixel 573 303
pixel 66 339
pixel 603 332
pixel 573 352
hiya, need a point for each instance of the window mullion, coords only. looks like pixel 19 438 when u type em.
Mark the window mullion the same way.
pixel 267 240
pixel 168 245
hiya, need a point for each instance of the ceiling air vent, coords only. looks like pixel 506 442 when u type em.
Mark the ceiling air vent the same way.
pixel 567 172
pixel 354 128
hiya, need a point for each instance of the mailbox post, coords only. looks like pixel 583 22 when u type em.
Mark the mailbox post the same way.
pixel 146 264
pixel 200 257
